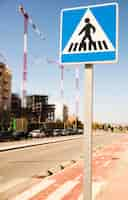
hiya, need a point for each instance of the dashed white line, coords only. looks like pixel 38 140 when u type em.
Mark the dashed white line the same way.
pixel 107 163
pixel 97 162
pixel 34 190
pixel 63 190
pixel 79 177
pixel 96 188
pixel 81 197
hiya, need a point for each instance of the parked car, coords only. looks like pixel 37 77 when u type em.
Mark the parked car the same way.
pixel 19 135
pixel 70 131
pixel 57 132
pixel 42 134
pixel 6 135
pixel 64 132
pixel 80 131
pixel 36 134
pixel 49 132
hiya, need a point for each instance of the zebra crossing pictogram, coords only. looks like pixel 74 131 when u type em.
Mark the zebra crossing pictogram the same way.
pixel 86 46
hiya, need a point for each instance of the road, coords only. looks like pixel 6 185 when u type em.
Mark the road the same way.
pixel 22 164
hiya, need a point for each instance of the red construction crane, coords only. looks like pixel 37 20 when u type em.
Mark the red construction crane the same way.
pixel 27 19
pixel 77 78
pixel 50 61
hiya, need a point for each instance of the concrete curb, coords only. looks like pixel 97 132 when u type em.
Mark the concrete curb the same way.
pixel 37 144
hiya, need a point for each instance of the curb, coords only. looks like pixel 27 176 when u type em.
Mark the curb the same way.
pixel 38 144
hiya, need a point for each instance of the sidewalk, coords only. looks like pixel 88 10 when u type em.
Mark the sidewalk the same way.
pixel 117 182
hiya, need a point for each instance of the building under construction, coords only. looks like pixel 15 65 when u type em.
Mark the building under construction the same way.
pixel 39 110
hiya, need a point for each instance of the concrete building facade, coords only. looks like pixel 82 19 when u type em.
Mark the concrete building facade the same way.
pixel 39 109
pixel 15 105
pixel 5 90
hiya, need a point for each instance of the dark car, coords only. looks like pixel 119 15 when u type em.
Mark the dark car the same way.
pixel 70 131
pixel 58 132
pixel 5 135
pixel 19 135
pixel 64 132
pixel 49 132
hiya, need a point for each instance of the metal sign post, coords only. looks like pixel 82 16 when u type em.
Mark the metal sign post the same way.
pixel 88 131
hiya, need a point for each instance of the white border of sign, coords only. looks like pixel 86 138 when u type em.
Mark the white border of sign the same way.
pixel 117 35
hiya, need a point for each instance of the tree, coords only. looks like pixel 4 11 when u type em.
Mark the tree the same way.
pixel 95 125
pixel 59 124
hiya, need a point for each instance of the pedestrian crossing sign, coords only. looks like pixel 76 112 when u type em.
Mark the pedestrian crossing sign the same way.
pixel 89 34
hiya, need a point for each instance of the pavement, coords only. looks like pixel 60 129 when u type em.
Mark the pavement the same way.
pixel 110 178
pixel 117 181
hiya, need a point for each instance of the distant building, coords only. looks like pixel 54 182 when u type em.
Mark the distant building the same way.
pixel 65 113
pixel 5 91
pixel 39 109
pixel 15 105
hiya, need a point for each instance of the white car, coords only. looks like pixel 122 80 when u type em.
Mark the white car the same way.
pixel 36 134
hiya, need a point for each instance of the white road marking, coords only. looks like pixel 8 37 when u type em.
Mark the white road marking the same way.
pixel 81 197
pixel 99 154
pixel 96 188
pixel 11 184
pixel 107 163
pixel 79 177
pixel 34 190
pixel 97 162
pixel 63 190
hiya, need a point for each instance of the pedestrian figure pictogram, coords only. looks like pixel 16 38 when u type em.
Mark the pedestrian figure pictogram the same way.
pixel 87 31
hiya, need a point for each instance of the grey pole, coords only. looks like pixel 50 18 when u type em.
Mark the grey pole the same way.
pixel 88 131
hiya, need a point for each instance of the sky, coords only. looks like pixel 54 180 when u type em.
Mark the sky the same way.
pixel 110 97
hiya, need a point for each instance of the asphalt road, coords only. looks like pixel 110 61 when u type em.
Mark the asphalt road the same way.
pixel 29 162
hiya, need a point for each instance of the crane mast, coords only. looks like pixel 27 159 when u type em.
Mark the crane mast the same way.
pixel 27 19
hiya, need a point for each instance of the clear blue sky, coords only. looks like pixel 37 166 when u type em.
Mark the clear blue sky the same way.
pixel 111 82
